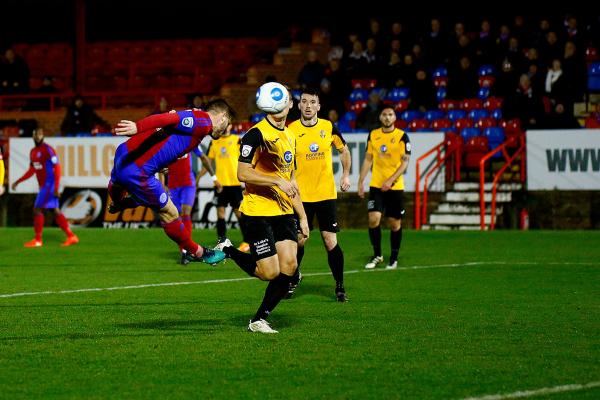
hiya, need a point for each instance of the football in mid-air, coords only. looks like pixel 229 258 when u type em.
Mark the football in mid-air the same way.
pixel 272 97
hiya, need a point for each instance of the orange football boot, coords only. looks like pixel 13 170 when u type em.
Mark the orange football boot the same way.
pixel 71 240
pixel 34 243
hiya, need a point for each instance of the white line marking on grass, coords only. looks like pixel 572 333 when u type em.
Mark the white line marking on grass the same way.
pixel 151 285
pixel 537 392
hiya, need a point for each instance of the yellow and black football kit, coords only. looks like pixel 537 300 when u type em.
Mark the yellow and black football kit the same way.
pixel 314 170
pixel 387 150
pixel 267 212
pixel 226 151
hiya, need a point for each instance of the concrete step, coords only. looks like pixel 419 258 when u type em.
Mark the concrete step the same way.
pixel 473 197
pixel 457 219
pixel 458 208
pixel 474 186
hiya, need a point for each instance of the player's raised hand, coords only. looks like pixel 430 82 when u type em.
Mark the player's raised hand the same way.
pixel 126 128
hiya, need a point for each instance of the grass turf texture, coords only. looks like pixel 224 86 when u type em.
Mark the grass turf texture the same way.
pixel 526 317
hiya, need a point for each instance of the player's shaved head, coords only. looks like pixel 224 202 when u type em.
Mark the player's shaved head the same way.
pixel 220 105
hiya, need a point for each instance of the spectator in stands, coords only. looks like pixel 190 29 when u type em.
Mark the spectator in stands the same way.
pixel 575 70
pixel 551 49
pixel 337 76
pixel 162 106
pixel 43 103
pixel 329 99
pixel 534 71
pixel 392 73
pixel 197 101
pixel 374 62
pixel 538 37
pixel 462 82
pixel 14 74
pixel 80 117
pixel 356 63
pixel 515 55
pixel 502 40
pixel 561 118
pixel 422 93
pixel 519 29
pixel 485 44
pixel 312 72
pixel 524 104
pixel 436 43
pixel 557 85
pixel 507 81
pixel 369 117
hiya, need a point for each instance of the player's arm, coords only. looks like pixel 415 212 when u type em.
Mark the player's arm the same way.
pixel 365 168
pixel 345 157
pixel 28 174
pixel 387 185
pixel 152 122
pixel 1 174
pixel 299 209
pixel 57 174
pixel 405 158
pixel 246 172
pixel 206 165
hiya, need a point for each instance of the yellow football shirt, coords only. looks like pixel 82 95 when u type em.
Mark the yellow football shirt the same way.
pixel 271 151
pixel 387 150
pixel 314 165
pixel 226 151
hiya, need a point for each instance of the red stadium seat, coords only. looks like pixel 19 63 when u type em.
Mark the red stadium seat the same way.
pixel 592 123
pixel 363 83
pixel 447 104
pixel 183 81
pixel 417 124
pixel 486 81
pixel 359 106
pixel 475 149
pixel 440 124
pixel 401 124
pixel 492 103
pixel 401 105
pixel 470 104
pixel 440 81
pixel 486 122
pixel 511 127
pixel 463 123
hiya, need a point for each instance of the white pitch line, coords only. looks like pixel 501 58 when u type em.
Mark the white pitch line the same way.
pixel 151 285
pixel 537 392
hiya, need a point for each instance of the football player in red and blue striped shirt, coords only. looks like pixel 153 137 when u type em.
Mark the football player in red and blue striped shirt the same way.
pixel 44 164
pixel 156 142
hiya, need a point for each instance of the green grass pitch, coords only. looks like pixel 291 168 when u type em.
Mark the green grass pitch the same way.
pixel 467 314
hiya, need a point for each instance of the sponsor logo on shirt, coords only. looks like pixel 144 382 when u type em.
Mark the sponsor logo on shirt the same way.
pixel 288 156
pixel 188 122
pixel 383 148
pixel 313 147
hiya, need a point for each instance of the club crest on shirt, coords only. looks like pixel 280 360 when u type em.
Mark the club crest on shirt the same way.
pixel 322 134
pixel 246 149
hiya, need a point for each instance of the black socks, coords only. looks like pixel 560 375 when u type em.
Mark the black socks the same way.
pixel 335 258
pixel 221 228
pixel 375 236
pixel 244 260
pixel 276 290
pixel 395 242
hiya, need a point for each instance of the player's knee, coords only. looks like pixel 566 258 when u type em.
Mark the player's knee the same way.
pixel 330 242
